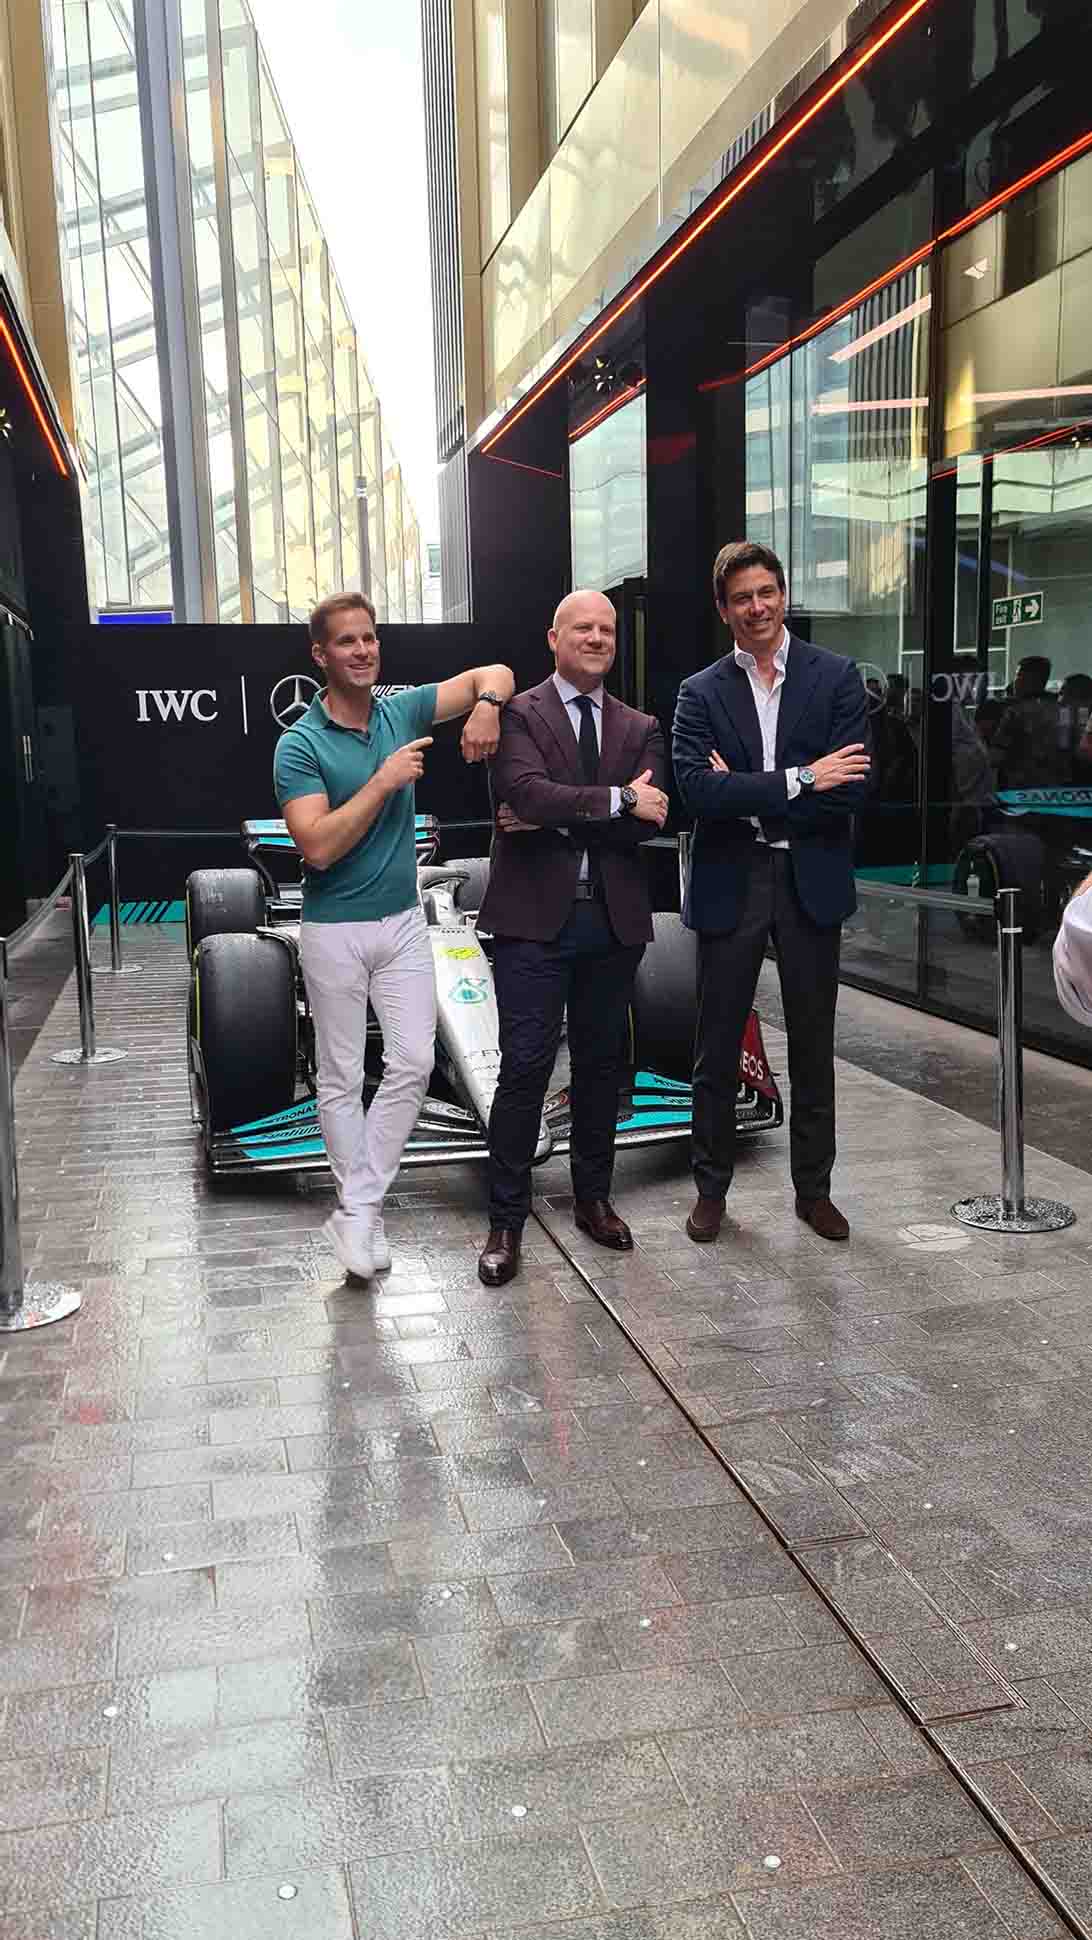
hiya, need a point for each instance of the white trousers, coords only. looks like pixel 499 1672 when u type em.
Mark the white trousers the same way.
pixel 345 965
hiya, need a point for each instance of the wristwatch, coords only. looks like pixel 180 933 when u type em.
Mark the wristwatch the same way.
pixel 495 698
pixel 806 777
pixel 628 799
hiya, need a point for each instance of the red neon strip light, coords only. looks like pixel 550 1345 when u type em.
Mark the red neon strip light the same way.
pixel 607 411
pixel 539 469
pixel 996 202
pixel 1044 438
pixel 732 194
pixel 25 380
pixel 816 329
pixel 928 249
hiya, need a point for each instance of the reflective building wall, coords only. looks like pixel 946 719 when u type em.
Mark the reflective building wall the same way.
pixel 237 467
pixel 863 337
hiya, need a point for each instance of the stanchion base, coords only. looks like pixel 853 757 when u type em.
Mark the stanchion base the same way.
pixel 77 1057
pixel 42 1303
pixel 107 970
pixel 1037 1215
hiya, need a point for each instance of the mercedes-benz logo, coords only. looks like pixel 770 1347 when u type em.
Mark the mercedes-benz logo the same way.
pixel 291 698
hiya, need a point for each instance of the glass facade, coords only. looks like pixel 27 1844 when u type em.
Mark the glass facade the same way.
pixel 923 466
pixel 879 362
pixel 286 427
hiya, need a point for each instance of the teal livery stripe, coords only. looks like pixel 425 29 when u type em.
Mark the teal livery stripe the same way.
pixel 292 1115
pixel 640 1121
pixel 301 1148
pixel 142 912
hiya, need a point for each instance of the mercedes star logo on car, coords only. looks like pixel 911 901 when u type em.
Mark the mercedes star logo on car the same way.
pixel 291 698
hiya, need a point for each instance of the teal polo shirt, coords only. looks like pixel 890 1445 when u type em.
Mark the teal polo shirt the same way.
pixel 317 756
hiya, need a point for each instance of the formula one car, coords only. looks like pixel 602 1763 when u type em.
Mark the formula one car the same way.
pixel 251 1042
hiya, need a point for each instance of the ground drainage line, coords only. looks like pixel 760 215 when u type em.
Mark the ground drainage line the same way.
pixel 1025 1859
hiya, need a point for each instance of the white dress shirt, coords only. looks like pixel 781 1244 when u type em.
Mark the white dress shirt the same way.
pixel 570 695
pixel 768 707
pixel 1073 958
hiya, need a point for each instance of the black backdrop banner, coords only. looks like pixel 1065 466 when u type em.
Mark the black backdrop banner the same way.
pixel 176 729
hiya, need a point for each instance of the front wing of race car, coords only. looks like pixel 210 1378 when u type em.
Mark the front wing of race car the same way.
pixel 653 1109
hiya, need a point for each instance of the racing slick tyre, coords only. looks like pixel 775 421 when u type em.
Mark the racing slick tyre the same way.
pixel 222 902
pixel 471 894
pixel 243 1026
pixel 1005 859
pixel 665 1000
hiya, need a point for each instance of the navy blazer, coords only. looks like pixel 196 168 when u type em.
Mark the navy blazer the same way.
pixel 823 707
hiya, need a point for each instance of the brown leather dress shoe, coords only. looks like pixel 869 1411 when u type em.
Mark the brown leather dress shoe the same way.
pixel 598 1219
pixel 704 1223
pixel 823 1217
pixel 499 1260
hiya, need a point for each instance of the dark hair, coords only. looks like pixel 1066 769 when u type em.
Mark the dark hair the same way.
pixel 1038 666
pixel 736 557
pixel 336 603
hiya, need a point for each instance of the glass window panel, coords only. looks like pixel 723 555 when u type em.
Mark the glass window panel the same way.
pixel 240 71
pixel 575 56
pixel 492 97
pixel 608 500
pixel 768 444
pixel 1078 207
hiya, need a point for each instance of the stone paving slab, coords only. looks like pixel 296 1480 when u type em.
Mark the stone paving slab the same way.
pixel 269 1541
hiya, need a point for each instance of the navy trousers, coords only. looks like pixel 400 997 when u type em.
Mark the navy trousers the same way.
pixel 587 972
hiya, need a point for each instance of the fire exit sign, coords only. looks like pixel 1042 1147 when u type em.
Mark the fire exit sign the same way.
pixel 1027 609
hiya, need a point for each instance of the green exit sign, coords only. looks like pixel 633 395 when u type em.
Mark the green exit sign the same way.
pixel 1027 609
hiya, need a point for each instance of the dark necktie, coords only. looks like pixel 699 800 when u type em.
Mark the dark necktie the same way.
pixel 589 745
pixel 589 761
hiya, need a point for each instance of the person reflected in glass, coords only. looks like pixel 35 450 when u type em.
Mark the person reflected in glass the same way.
pixel 1025 748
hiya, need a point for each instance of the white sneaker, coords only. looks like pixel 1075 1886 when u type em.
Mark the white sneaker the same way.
pixel 352 1241
pixel 381 1251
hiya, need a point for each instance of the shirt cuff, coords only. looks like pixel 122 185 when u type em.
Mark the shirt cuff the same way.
pixel 616 801
pixel 792 783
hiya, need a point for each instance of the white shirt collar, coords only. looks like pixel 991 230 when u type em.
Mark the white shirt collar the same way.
pixel 750 665
pixel 570 693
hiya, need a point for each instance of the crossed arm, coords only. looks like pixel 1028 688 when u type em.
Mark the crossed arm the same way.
pixel 714 792
pixel 523 784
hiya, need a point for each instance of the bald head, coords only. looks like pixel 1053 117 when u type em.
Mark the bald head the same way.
pixel 582 639
pixel 573 603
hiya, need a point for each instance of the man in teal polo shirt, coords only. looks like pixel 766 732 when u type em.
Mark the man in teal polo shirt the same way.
pixel 344 777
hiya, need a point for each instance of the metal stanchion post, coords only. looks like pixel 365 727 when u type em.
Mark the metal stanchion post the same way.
pixel 81 939
pixel 1011 1211
pixel 115 967
pixel 22 1306
pixel 685 840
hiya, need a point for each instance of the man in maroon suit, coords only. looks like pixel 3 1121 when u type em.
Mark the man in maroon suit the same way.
pixel 580 780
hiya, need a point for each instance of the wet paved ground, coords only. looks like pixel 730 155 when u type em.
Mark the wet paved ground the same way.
pixel 428 1603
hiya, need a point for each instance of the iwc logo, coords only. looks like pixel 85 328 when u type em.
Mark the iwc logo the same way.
pixel 291 698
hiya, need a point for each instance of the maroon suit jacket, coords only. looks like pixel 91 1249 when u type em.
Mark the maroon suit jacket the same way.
pixel 537 770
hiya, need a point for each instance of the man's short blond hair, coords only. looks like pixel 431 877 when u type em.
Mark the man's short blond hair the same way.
pixel 336 603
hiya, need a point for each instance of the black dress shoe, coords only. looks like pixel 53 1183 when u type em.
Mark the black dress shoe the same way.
pixel 704 1223
pixel 598 1219
pixel 823 1217
pixel 499 1260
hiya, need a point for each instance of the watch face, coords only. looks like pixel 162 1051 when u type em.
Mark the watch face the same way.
pixel 806 778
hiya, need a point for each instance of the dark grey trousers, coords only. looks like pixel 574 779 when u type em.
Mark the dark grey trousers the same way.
pixel 728 967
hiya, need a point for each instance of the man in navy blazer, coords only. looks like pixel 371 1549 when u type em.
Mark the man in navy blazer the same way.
pixel 771 759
